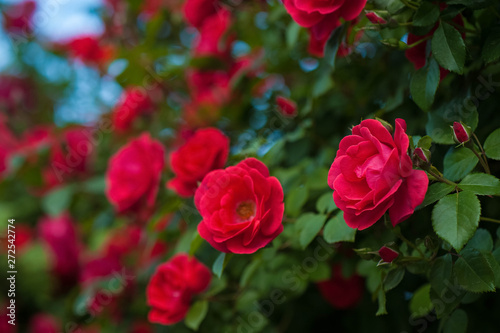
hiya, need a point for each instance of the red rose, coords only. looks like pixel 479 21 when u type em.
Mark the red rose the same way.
pixel 418 53
pixel 172 287
pixel 211 39
pixel 387 254
pixel 89 50
pixel 342 292
pixel 322 17
pixel 205 151
pixel 197 11
pixel 133 102
pixel 286 107
pixel 59 233
pixel 134 174
pixel 242 207
pixel 17 18
pixel 372 173
pixel 44 323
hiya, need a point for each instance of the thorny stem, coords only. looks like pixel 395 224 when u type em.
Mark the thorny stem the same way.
pixel 485 165
pixel 441 179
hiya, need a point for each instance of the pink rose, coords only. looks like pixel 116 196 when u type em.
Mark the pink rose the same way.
pixel 372 173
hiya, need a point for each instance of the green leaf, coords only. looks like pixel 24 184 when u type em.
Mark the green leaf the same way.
pixel 435 192
pixel 492 145
pixel 317 180
pixel 311 228
pixel 456 323
pixel 473 272
pixel 394 278
pixel 481 183
pixel 420 303
pixel 458 163
pixel 325 203
pixel 220 263
pixel 481 241
pixel 292 34
pixel 474 4
pixel 491 47
pixel 58 200
pixel 295 200
pixel 95 185
pixel 337 230
pixel 441 271
pixel 196 314
pixel 322 273
pixel 195 243
pixel 425 142
pixel 495 267
pixel 427 14
pixel 455 218
pixel 249 272
pixel 440 120
pixel 448 48
pixel 424 84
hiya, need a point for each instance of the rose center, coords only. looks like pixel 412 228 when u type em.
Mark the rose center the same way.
pixel 246 210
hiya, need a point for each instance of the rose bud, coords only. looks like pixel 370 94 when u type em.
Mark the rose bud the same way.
pixel 375 18
pixel 424 155
pixel 286 107
pixel 387 254
pixel 461 132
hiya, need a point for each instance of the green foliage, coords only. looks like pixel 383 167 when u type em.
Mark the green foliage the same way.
pixel 420 303
pixel 336 230
pixel 481 183
pixel 196 314
pixel 424 84
pixel 492 145
pixel 473 271
pixel 435 192
pixel 458 163
pixel 448 48
pixel 455 218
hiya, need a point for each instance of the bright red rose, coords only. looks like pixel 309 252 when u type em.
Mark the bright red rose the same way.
pixel 322 17
pixel 205 151
pixel 172 287
pixel 133 102
pixel 59 234
pixel 44 323
pixel 212 34
pixel 342 292
pixel 90 50
pixel 372 173
pixel 242 207
pixel 134 174
pixel 197 11
pixel 18 17
pixel 286 107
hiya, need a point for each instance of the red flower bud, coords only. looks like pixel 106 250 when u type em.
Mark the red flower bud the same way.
pixel 387 254
pixel 375 18
pixel 461 132
pixel 422 154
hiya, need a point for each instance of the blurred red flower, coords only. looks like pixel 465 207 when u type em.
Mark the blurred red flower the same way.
pixel 17 18
pixel 133 102
pixel 342 292
pixel 172 287
pixel 205 151
pixel 286 107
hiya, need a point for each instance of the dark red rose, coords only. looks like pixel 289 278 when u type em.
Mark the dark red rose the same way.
pixel 197 11
pixel 375 18
pixel 372 173
pixel 205 151
pixel 16 95
pixel 134 174
pixel 286 107
pixel 60 236
pixel 133 102
pixel 17 18
pixel 418 53
pixel 173 286
pixel 342 292
pixel 44 323
pixel 387 254
pixel 242 207
pixel 322 17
